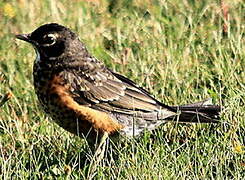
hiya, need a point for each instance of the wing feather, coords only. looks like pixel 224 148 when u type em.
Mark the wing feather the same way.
pixel 102 89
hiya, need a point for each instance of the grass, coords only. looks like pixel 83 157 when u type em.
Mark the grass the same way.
pixel 174 49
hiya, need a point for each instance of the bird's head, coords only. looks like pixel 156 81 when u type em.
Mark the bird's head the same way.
pixel 50 40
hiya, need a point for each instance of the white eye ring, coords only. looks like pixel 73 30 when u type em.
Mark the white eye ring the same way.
pixel 51 38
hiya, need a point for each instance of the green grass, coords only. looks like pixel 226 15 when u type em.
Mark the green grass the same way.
pixel 174 49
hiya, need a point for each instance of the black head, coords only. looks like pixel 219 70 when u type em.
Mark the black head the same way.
pixel 50 40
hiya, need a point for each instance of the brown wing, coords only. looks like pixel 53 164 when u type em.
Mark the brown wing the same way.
pixel 92 84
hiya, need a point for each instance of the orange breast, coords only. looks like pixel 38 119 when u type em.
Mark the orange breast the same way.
pixel 87 117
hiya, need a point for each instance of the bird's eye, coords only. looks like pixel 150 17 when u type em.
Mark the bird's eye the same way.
pixel 49 39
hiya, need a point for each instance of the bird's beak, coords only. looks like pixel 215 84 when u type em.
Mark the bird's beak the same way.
pixel 24 37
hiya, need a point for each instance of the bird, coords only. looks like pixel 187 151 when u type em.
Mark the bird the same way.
pixel 90 100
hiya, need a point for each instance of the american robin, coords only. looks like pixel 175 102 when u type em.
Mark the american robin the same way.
pixel 88 99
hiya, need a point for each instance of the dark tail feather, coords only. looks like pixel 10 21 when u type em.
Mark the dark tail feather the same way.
pixel 200 112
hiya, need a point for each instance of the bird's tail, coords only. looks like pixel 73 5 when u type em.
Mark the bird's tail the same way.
pixel 200 112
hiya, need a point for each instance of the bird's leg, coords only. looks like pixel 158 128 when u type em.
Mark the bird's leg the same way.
pixel 100 150
pixel 98 155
